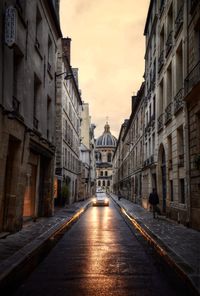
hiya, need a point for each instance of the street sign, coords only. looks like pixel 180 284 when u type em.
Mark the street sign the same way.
pixel 10 26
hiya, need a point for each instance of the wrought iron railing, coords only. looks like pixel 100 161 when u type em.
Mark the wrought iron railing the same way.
pixel 178 101
pixel 160 122
pixel 179 20
pixel 161 61
pixel 169 43
pixel 168 113
pixel 193 78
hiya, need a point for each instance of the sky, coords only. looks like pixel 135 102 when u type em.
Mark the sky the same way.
pixel 108 47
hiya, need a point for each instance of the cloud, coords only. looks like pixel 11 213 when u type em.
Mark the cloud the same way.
pixel 108 48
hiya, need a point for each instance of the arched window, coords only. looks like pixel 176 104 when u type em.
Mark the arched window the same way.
pixel 108 183
pixel 103 183
pixel 101 173
pixel 109 157
pixel 99 183
pixel 106 173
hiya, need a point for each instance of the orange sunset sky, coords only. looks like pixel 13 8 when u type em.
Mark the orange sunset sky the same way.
pixel 108 48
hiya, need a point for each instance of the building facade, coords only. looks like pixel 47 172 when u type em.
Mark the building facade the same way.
pixel 68 112
pixel 171 147
pixel 172 184
pixel 105 146
pixel 128 157
pixel 118 161
pixel 27 107
pixel 87 155
pixel 192 99
pixel 150 132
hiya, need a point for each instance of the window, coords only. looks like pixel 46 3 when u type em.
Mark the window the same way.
pixel 106 173
pixel 169 85
pixel 179 68
pixel 50 55
pixel 17 82
pixel 108 183
pixel 171 190
pixel 169 21
pixel 154 107
pixel 169 146
pixel 38 35
pixel 21 7
pixel 182 190
pixel 103 183
pixel 109 157
pixel 48 117
pixel 180 143
pixel 37 85
pixel 99 183
pixel 101 173
pixel 161 97
pixel 65 157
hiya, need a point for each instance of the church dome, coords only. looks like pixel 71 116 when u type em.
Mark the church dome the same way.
pixel 107 139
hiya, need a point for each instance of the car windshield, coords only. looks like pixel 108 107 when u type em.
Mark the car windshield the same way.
pixel 100 195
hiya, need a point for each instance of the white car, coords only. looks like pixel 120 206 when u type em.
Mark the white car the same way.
pixel 101 199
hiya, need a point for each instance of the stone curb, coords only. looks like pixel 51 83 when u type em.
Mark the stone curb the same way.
pixel 11 267
pixel 174 260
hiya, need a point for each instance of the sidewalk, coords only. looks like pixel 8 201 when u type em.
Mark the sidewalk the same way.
pixel 179 244
pixel 19 248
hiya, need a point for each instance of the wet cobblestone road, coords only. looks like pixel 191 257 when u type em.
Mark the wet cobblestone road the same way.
pixel 99 255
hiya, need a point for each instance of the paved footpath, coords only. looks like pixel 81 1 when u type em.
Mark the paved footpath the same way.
pixel 178 243
pixel 16 249
pixel 181 245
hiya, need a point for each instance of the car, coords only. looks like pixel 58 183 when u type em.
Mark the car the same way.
pixel 101 199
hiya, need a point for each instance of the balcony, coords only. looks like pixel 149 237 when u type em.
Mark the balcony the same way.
pixel 168 113
pixel 169 43
pixel 161 61
pixel 193 78
pixel 160 123
pixel 178 101
pixel 179 21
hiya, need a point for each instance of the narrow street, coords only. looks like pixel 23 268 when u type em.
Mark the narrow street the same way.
pixel 99 255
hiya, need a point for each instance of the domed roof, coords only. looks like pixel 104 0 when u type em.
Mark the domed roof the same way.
pixel 107 139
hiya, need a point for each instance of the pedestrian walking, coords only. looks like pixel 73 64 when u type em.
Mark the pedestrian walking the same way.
pixel 154 201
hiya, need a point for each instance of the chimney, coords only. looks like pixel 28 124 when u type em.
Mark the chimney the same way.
pixel 66 44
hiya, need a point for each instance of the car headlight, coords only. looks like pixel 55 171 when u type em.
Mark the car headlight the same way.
pixel 106 200
pixel 94 200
